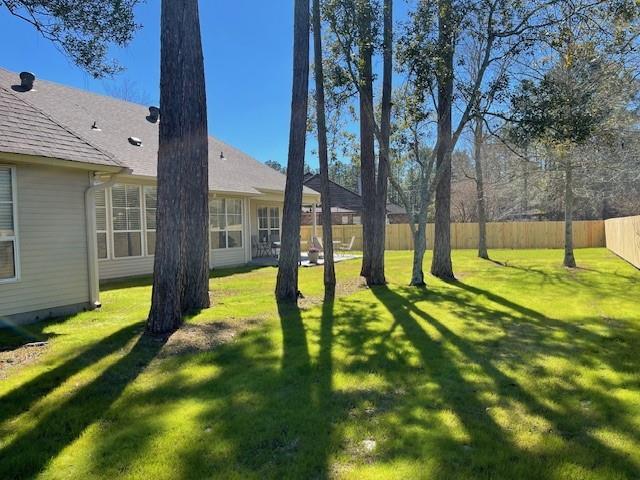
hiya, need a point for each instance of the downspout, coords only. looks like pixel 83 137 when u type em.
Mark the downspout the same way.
pixel 92 238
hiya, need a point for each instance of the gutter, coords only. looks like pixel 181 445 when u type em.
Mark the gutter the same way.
pixel 92 238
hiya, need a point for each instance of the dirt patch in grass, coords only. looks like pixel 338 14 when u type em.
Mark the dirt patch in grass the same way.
pixel 20 357
pixel 203 337
pixel 343 289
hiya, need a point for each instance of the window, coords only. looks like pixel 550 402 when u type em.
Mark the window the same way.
pixel 150 205
pixel 8 243
pixel 268 224
pixel 225 220
pixel 127 224
pixel 101 224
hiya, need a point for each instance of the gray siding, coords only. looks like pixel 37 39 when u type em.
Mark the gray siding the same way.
pixel 125 267
pixel 131 267
pixel 52 241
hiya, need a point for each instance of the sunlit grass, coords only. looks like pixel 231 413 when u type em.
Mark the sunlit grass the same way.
pixel 520 370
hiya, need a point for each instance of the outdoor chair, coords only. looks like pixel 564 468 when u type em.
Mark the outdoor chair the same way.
pixel 274 244
pixel 261 249
pixel 342 248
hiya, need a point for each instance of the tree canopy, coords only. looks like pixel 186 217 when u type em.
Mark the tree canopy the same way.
pixel 82 29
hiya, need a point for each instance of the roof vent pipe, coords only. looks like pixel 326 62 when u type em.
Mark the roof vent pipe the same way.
pixel 154 114
pixel 26 80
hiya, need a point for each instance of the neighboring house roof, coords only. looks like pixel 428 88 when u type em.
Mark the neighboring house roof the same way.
pixel 26 130
pixel 342 197
pixel 118 120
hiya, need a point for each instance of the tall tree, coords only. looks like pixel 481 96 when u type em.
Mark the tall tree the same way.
pixel 478 143
pixel 429 50
pixel 180 280
pixel 410 123
pixel 355 26
pixel 365 42
pixel 287 281
pixel 583 95
pixel 377 276
pixel 82 30
pixel 441 265
pixel 327 233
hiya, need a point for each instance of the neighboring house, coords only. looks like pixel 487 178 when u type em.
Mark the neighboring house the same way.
pixel 346 205
pixel 78 197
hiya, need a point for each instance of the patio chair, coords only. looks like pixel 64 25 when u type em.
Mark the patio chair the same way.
pixel 342 248
pixel 260 248
pixel 274 244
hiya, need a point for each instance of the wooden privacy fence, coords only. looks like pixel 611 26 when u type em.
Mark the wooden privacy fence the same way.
pixel 623 238
pixel 589 233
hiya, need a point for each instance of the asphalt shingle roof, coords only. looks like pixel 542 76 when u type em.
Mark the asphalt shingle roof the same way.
pixel 118 120
pixel 342 197
pixel 26 130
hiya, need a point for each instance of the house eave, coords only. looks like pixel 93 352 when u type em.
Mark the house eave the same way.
pixel 22 158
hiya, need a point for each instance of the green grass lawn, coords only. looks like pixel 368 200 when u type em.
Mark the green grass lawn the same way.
pixel 520 370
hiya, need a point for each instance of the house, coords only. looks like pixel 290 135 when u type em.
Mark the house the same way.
pixel 78 197
pixel 346 205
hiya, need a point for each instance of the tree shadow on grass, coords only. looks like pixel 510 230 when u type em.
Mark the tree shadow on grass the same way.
pixel 21 398
pixel 568 423
pixel 599 281
pixel 13 336
pixel 273 412
pixel 533 334
pixel 30 452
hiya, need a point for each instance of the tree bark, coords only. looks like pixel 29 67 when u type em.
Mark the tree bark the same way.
pixel 525 182
pixel 287 281
pixel 327 233
pixel 478 140
pixel 367 146
pixel 420 235
pixel 180 268
pixel 376 274
pixel 441 264
pixel 569 259
pixel 196 179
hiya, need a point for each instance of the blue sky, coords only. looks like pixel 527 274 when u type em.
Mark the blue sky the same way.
pixel 248 55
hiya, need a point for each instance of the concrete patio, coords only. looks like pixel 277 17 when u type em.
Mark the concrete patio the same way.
pixel 304 260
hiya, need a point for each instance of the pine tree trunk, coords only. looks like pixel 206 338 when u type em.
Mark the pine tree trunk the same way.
pixel 367 151
pixel 376 274
pixel 569 259
pixel 478 139
pixel 182 153
pixel 195 188
pixel 441 264
pixel 327 233
pixel 287 281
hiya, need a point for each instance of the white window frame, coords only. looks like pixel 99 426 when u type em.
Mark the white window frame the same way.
pixel 107 222
pixel 144 219
pixel 269 228
pixel 15 237
pixel 226 228
pixel 141 231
